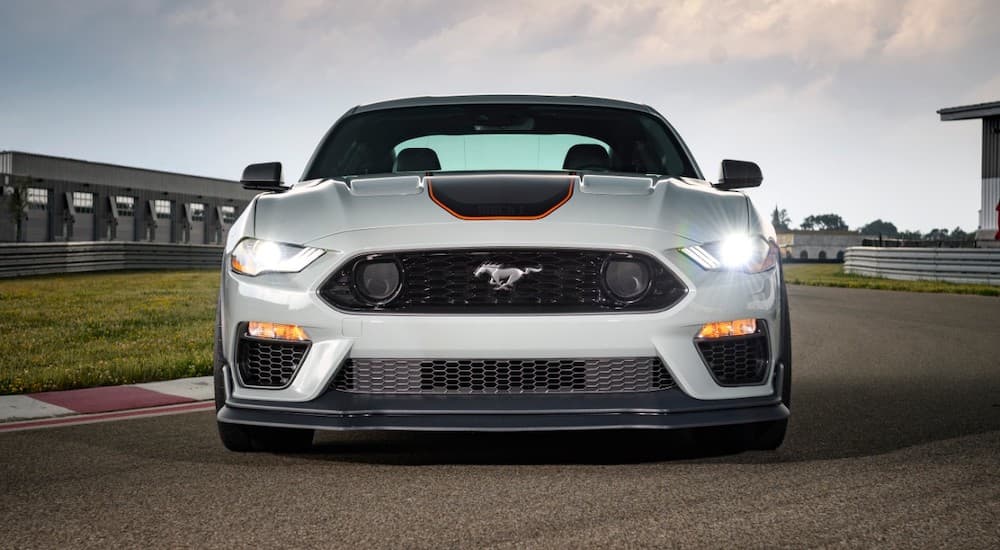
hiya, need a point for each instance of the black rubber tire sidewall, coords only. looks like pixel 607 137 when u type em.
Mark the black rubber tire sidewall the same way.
pixel 218 360
pixel 786 346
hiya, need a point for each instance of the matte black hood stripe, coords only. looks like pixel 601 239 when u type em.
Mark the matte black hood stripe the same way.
pixel 500 197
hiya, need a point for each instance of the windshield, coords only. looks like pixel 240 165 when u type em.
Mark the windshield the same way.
pixel 473 138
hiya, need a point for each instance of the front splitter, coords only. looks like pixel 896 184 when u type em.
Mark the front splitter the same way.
pixel 500 422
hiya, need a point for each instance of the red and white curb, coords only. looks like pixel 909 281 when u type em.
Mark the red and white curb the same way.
pixel 61 408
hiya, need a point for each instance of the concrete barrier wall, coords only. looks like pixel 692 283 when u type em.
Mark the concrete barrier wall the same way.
pixel 17 259
pixel 955 265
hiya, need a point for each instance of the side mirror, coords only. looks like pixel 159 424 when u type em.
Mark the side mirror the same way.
pixel 265 176
pixel 738 174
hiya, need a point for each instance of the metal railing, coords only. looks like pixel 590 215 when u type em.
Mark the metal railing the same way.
pixel 954 265
pixel 18 259
pixel 911 243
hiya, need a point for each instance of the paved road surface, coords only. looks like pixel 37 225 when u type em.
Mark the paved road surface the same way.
pixel 895 441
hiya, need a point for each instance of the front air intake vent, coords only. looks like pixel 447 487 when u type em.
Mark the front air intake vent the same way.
pixel 268 363
pixel 502 376
pixel 737 360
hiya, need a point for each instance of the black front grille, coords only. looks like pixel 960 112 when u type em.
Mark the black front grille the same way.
pixel 738 360
pixel 444 281
pixel 268 363
pixel 502 376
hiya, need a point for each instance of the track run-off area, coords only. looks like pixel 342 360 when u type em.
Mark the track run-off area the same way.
pixel 894 441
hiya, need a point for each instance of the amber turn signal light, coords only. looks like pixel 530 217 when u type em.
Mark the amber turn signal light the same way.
pixel 721 329
pixel 276 331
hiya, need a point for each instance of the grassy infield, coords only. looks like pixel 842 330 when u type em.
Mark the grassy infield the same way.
pixel 74 331
pixel 833 275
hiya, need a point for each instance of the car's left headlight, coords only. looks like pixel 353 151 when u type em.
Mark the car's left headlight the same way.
pixel 254 256
pixel 749 253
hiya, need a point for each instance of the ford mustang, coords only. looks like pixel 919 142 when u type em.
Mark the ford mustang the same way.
pixel 501 263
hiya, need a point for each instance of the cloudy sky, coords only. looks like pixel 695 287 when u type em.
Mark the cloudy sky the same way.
pixel 835 100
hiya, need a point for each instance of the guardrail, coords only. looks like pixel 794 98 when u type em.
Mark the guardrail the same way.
pixel 910 243
pixel 954 265
pixel 17 259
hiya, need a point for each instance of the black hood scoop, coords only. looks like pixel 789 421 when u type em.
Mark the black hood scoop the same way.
pixel 501 196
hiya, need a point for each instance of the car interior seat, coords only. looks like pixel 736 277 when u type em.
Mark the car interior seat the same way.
pixel 417 159
pixel 587 156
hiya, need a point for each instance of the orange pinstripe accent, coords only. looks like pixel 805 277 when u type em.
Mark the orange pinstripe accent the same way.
pixel 569 194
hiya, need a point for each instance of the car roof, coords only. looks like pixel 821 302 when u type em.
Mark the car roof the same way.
pixel 501 99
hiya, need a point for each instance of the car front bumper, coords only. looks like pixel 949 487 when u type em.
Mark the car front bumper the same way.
pixel 336 336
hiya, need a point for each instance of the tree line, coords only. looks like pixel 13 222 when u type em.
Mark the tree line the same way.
pixel 888 230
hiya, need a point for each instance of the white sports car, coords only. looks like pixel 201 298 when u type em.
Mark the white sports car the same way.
pixel 501 263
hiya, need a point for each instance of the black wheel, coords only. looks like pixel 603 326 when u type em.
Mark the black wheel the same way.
pixel 242 438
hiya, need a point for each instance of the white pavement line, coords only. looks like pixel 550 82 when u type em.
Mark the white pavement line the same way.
pixel 22 407
pixel 199 389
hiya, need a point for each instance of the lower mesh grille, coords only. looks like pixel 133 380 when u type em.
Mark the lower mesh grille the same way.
pixel 736 361
pixel 502 376
pixel 267 363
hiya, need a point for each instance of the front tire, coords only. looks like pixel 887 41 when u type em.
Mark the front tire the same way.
pixel 242 438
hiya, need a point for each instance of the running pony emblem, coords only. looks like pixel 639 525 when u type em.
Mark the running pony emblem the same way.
pixel 502 277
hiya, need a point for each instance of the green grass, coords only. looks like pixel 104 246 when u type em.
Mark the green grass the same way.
pixel 74 331
pixel 833 275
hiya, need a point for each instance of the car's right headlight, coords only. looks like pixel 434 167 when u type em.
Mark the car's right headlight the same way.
pixel 254 256
pixel 749 253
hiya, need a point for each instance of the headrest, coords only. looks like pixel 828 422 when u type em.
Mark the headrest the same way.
pixel 587 156
pixel 417 159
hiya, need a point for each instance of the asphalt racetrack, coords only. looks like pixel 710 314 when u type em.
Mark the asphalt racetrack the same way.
pixel 894 442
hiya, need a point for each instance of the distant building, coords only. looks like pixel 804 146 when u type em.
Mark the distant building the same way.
pixel 817 246
pixel 66 199
pixel 988 232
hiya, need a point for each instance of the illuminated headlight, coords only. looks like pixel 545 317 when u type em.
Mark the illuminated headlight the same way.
pixel 253 257
pixel 752 254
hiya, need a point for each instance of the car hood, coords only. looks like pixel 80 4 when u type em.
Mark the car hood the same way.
pixel 500 208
